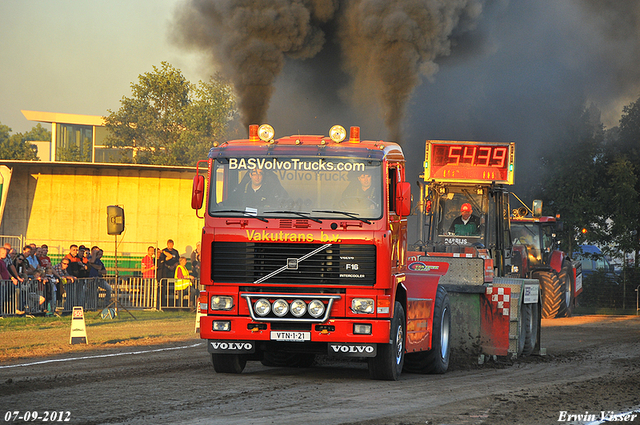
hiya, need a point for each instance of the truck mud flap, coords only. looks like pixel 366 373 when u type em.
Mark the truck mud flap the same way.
pixel 231 347
pixel 343 349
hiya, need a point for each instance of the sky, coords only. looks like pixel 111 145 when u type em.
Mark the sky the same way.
pixel 80 57
pixel 519 73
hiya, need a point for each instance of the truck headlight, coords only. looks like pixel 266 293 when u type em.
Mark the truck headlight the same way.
pixel 316 308
pixel 362 305
pixel 221 302
pixel 280 307
pixel 298 308
pixel 262 307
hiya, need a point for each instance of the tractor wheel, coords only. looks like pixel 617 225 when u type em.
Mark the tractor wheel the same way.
pixel 228 363
pixel 531 328
pixel 387 364
pixel 566 280
pixel 278 359
pixel 552 294
pixel 435 360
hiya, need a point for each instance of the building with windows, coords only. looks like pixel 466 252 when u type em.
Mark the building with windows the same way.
pixel 74 137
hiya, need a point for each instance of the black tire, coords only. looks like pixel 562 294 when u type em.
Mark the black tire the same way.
pixel 566 280
pixel 552 294
pixel 435 360
pixel 228 363
pixel 524 317
pixel 277 359
pixel 387 364
pixel 531 327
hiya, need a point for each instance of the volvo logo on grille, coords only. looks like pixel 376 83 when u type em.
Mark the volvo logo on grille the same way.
pixel 353 350
pixel 231 347
pixel 292 264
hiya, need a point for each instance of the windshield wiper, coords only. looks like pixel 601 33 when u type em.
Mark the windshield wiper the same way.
pixel 298 213
pixel 347 213
pixel 245 213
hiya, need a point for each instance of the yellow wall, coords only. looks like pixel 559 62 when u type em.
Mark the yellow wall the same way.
pixel 62 203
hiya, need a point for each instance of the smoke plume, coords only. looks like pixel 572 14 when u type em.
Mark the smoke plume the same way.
pixel 386 46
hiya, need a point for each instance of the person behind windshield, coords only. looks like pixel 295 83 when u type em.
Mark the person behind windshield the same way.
pixel 466 224
pixel 262 190
pixel 361 195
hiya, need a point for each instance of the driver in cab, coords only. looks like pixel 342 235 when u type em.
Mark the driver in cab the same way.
pixel 261 191
pixel 466 224
pixel 361 195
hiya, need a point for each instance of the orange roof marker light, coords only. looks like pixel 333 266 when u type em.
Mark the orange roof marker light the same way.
pixel 253 133
pixel 354 135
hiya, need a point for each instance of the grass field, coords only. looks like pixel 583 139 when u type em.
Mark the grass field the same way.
pixel 23 337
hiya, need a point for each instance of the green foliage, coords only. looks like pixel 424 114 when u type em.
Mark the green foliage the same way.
pixel 572 175
pixel 168 120
pixel 17 146
pixel 593 182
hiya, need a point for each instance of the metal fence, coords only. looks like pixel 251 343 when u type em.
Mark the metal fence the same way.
pixel 51 297
pixel 603 291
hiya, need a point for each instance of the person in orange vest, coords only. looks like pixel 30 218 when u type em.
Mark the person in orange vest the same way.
pixel 183 280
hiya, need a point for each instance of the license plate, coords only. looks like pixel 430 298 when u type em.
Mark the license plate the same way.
pixel 290 336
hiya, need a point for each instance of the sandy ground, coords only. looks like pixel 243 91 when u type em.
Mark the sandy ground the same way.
pixel 592 365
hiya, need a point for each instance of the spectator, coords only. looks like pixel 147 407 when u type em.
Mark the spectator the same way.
pixel 23 268
pixel 184 281
pixel 62 271
pixel 38 288
pixel 98 270
pixel 77 264
pixel 7 289
pixel 8 261
pixel 168 259
pixel 149 264
pixel 43 257
pixel 58 287
pixel 195 261
pixel 32 258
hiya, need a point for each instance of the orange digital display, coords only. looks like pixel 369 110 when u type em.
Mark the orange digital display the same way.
pixel 469 161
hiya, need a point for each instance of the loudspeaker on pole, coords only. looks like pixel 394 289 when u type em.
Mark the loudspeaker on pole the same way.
pixel 115 220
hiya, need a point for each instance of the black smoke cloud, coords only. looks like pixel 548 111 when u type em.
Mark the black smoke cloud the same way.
pixel 385 46
pixel 495 70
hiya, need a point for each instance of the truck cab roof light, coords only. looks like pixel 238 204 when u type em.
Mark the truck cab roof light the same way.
pixel 354 135
pixel 253 133
pixel 337 133
pixel 266 133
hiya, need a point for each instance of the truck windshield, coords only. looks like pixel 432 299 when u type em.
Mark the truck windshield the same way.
pixel 296 187
pixel 461 217
pixel 528 234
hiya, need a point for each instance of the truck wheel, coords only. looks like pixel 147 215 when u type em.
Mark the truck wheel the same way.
pixel 228 363
pixel 387 364
pixel 531 329
pixel 566 280
pixel 276 359
pixel 435 360
pixel 552 294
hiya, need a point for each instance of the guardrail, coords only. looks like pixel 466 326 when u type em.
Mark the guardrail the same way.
pixel 46 298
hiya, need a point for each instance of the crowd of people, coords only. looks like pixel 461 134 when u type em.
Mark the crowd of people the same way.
pixel 33 266
pixel 167 263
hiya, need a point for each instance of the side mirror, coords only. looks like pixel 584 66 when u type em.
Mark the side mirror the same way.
pixel 403 199
pixel 559 226
pixel 197 192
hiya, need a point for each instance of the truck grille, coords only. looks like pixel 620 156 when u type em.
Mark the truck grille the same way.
pixel 337 264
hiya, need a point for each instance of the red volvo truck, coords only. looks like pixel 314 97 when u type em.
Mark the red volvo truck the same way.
pixel 304 252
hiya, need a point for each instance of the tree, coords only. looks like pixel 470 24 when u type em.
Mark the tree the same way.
pixel 17 146
pixel 572 176
pixel 168 120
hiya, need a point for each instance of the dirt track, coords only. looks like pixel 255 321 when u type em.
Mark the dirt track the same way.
pixel 593 364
